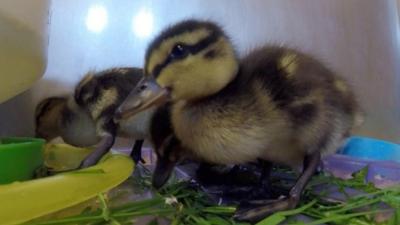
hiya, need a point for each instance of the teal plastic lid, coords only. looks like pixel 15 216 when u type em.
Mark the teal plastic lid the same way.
pixel 371 148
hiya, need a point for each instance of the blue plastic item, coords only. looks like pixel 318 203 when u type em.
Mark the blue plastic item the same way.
pixel 372 149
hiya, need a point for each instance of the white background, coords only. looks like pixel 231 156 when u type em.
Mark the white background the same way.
pixel 358 38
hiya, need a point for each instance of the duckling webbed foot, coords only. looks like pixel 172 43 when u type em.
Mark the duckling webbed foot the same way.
pixel 136 153
pixel 236 183
pixel 250 187
pixel 103 147
pixel 253 211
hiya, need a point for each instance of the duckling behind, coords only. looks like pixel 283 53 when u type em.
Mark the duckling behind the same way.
pixel 275 104
pixel 61 117
pixel 86 118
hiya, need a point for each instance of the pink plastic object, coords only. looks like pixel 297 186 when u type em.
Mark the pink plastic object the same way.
pixel 381 173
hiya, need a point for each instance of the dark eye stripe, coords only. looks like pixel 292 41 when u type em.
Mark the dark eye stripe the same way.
pixel 193 49
pixel 204 43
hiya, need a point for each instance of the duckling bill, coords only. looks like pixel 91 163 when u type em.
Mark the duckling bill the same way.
pixel 146 94
pixel 276 104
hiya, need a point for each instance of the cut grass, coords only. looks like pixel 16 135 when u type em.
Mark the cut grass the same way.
pixel 181 203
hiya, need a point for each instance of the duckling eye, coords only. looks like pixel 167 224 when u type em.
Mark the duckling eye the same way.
pixel 143 87
pixel 179 51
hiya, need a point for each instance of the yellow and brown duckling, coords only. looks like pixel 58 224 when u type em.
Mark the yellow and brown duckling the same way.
pixel 86 119
pixel 275 104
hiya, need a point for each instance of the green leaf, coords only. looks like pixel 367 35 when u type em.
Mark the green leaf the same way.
pixel 113 222
pixel 274 219
pixel 341 218
pixel 360 175
pixel 217 220
pixel 220 209
pixel 395 220
pixel 105 213
pixel 200 220
pixel 279 217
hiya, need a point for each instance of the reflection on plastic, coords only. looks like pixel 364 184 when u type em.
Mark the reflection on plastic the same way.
pixel 97 18
pixel 142 23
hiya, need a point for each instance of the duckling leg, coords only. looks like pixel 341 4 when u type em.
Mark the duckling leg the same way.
pixel 136 153
pixel 166 162
pixel 257 210
pixel 266 168
pixel 103 147
pixel 106 129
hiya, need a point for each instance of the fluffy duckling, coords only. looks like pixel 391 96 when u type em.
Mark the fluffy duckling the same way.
pixel 53 115
pixel 86 119
pixel 275 104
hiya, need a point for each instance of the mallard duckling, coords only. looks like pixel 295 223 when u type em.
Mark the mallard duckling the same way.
pixel 61 117
pixel 275 104
pixel 86 119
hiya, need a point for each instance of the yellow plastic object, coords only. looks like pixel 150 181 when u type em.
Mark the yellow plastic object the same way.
pixel 23 201
pixel 23 45
pixel 61 157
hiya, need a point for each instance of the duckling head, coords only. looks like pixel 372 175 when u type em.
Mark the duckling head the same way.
pixel 188 61
pixel 47 113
